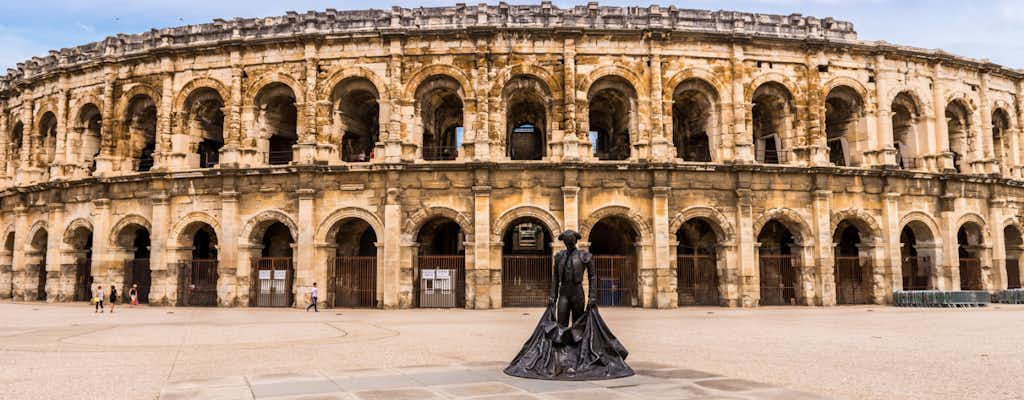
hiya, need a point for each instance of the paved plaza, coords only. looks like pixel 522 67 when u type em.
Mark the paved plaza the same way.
pixel 865 352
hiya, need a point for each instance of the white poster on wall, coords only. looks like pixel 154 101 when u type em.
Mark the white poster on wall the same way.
pixel 280 275
pixel 264 274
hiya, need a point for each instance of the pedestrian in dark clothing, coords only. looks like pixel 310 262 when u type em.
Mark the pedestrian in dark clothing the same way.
pixel 113 298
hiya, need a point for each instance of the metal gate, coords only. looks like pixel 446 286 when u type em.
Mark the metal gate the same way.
pixel 354 281
pixel 1012 273
pixel 428 293
pixel 525 280
pixel 697 280
pixel 915 272
pixel 272 282
pixel 83 281
pixel 41 284
pixel 616 281
pixel 970 274
pixel 137 271
pixel 197 283
pixel 852 280
pixel 778 279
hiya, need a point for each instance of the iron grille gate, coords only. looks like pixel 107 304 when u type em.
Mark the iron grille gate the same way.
pixel 970 274
pixel 429 294
pixel 83 281
pixel 1012 273
pixel 852 280
pixel 778 279
pixel 137 271
pixel 354 280
pixel 915 272
pixel 272 278
pixel 197 283
pixel 41 284
pixel 525 280
pixel 616 281
pixel 697 280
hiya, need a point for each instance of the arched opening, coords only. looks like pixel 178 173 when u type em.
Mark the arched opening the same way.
pixel 613 102
pixel 905 116
pixel 958 125
pixel 198 276
pixel 697 264
pixel 1014 245
pixel 273 272
pixel 47 141
pixel 204 110
pixel 1000 139
pixel 693 119
pixel 35 265
pixel 7 265
pixel 778 264
pixel 278 119
pixel 134 243
pixel 969 247
pixel 90 123
pixel 917 252
pixel 843 107
pixel 526 118
pixel 440 271
pixel 14 144
pixel 613 242
pixel 772 117
pixel 526 268
pixel 79 241
pixel 357 117
pixel 853 267
pixel 140 121
pixel 440 108
pixel 354 267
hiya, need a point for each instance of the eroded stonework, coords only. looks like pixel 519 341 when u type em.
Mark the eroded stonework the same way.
pixel 709 157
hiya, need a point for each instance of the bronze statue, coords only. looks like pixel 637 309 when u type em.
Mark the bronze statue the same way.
pixel 584 350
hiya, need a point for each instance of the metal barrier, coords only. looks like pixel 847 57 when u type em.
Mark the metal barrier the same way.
pixel 697 280
pixel 354 281
pixel 197 283
pixel 616 280
pixel 778 279
pixel 441 281
pixel 940 298
pixel 272 282
pixel 525 280
pixel 1009 296
pixel 970 274
pixel 137 272
pixel 852 285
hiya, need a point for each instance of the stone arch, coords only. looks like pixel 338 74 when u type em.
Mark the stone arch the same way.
pixel 925 219
pixel 254 227
pixel 718 222
pixel 126 99
pixel 1015 222
pixel 792 220
pixel 643 229
pixel 978 220
pixel 124 222
pixel 860 219
pixel 186 226
pixel 506 218
pixel 770 77
pixel 343 74
pixel 41 112
pixel 330 225
pixel 922 107
pixel 196 84
pixel 687 74
pixel 425 214
pixel 417 79
pixel 40 225
pixel 554 89
pixel 638 84
pixel 852 83
pixel 1007 108
pixel 76 224
pixel 963 98
pixel 254 89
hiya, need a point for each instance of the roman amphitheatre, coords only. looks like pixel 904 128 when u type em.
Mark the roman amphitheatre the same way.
pixel 427 157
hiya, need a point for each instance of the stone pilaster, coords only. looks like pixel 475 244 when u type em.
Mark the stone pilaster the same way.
pixel 164 287
pixel 307 268
pixel 947 273
pixel 823 251
pixel 994 277
pixel 229 156
pixel 484 281
pixel 108 128
pixel 572 147
pixel 743 141
pixel 19 276
pixel 941 155
pixel 749 280
pixel 394 293
pixel 664 277
pixel 229 285
pixel 892 265
pixel 307 146
pixel 985 156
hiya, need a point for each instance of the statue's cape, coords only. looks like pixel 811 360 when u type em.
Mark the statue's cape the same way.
pixel 586 351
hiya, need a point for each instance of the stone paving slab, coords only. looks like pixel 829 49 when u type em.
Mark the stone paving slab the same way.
pixel 478 381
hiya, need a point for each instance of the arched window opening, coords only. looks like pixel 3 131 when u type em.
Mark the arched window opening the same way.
pixel 133 242
pixel 35 265
pixel 613 241
pixel 140 121
pixel 273 273
pixel 1014 245
pixel 905 116
pixel 852 265
pixel 697 264
pixel 612 106
pixel 47 141
pixel 969 247
pixel 917 254
pixel 79 250
pixel 278 121
pixel 693 120
pixel 439 101
pixel 439 278
pixel 778 262
pixel 354 270
pixel 205 110
pixel 958 123
pixel 526 267
pixel 198 276
pixel 771 114
pixel 1000 139
pixel 90 123
pixel 14 145
pixel 843 107
pixel 526 118
pixel 358 118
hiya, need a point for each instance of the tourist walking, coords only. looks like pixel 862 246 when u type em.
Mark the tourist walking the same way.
pixel 133 294
pixel 312 296
pixel 98 299
pixel 113 298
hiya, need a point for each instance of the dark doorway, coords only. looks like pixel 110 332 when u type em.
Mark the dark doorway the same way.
pixel 273 273
pixel 198 284
pixel 354 265
pixel 852 269
pixel 440 273
pixel 778 265
pixel 137 270
pixel 613 242
pixel 39 247
pixel 526 268
pixel 697 264
pixel 969 241
pixel 916 266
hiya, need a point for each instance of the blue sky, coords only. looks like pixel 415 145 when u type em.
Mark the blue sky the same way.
pixel 992 29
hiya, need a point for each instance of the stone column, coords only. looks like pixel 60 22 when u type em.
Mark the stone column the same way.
pixel 392 138
pixel 941 154
pixel 729 275
pixel 883 120
pixel 306 148
pixel 571 207
pixel 229 156
pixel 985 156
pixel 824 253
pixel 307 268
pixel 747 266
pixel 57 167
pixel 105 270
pixel 164 288
pixel 661 144
pixel 229 289
pixel 54 237
pixel 891 239
pixel 572 147
pixel 18 274
pixel 994 277
pixel 743 141
pixel 484 282
pixel 947 274
pixel 390 275
pixel 108 127
pixel 665 295
pixel 163 122
pixel 5 170
pixel 813 117
pixel 1017 142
